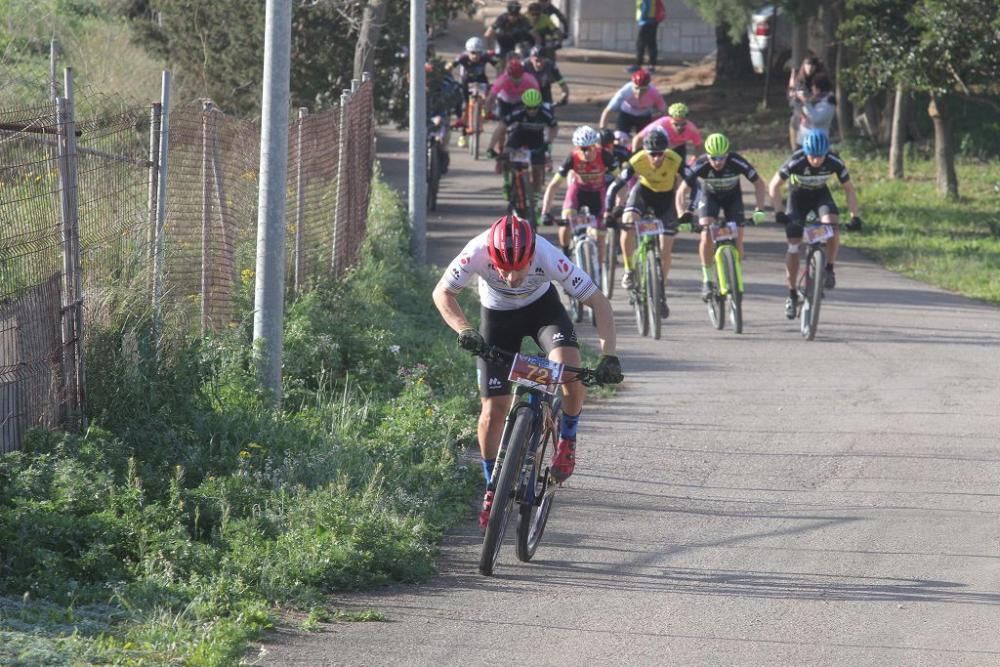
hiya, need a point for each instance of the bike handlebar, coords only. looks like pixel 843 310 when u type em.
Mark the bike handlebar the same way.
pixel 586 376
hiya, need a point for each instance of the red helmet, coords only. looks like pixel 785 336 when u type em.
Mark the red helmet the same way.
pixel 641 78
pixel 511 243
pixel 515 68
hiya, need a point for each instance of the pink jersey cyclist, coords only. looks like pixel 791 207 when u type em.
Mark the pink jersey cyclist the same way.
pixel 679 132
pixel 509 90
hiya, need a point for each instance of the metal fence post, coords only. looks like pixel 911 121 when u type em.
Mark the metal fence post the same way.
pixel 77 306
pixel 299 205
pixel 206 213
pixel 53 61
pixel 161 201
pixel 339 214
pixel 67 356
pixel 155 110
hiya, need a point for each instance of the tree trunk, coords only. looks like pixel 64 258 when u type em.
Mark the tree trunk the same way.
pixel 845 110
pixel 944 150
pixel 732 61
pixel 829 22
pixel 372 21
pixel 898 141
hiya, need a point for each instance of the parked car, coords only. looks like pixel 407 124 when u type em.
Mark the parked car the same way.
pixel 766 25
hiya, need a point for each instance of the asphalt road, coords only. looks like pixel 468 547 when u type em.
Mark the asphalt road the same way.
pixel 743 500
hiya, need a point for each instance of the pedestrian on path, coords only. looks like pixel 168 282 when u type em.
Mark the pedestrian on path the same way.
pixel 648 14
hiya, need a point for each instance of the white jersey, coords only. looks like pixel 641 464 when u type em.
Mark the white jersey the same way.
pixel 549 264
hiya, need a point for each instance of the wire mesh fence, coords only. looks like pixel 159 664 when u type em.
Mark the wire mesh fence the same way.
pixel 79 227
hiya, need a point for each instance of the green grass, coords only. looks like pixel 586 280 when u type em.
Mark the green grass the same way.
pixel 174 529
pixel 910 229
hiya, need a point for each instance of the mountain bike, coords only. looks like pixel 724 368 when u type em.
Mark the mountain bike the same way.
pixel 811 277
pixel 521 473
pixel 516 163
pixel 586 237
pixel 473 117
pixel 437 142
pixel 646 295
pixel 728 291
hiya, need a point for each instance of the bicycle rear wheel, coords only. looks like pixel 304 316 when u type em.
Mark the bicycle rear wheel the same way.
pixel 433 176
pixel 654 292
pixel 534 517
pixel 734 295
pixel 610 259
pixel 503 495
pixel 812 292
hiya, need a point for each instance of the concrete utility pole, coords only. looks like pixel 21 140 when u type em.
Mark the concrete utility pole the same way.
pixel 418 130
pixel 269 290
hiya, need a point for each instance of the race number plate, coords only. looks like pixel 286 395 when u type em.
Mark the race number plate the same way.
pixel 818 233
pixel 725 232
pixel 520 155
pixel 649 226
pixel 536 373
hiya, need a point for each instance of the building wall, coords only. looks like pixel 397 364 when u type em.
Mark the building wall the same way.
pixel 609 25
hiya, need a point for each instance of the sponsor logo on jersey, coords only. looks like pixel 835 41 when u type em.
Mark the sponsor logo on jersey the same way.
pixel 576 281
pixel 464 259
pixel 563 266
pixel 558 336
pixel 457 272
pixel 494 383
pixel 539 271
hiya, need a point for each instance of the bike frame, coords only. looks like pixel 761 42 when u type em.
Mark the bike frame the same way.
pixel 720 249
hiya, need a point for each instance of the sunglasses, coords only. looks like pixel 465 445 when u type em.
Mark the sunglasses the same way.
pixel 655 153
pixel 717 158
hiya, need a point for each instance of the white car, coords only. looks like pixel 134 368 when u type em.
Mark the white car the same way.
pixel 761 31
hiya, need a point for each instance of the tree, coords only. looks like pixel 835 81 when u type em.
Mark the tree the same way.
pixel 217 48
pixel 944 48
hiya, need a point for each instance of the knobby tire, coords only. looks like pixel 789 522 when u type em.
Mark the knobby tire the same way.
pixel 654 292
pixel 815 267
pixel 638 298
pixel 503 495
pixel 533 518
pixel 735 296
pixel 610 256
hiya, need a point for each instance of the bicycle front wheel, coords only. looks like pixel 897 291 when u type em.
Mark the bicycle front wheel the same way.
pixel 637 295
pixel 733 293
pixel 477 128
pixel 813 292
pixel 610 259
pixel 654 292
pixel 534 516
pixel 503 495
pixel 592 267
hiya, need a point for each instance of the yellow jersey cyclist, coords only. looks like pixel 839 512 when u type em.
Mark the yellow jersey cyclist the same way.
pixel 808 170
pixel 656 167
pixel 719 171
pixel 515 269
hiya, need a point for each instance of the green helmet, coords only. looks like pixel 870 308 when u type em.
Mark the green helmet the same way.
pixel 677 110
pixel 531 97
pixel 716 145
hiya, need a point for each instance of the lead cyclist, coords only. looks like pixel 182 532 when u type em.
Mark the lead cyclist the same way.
pixel 515 270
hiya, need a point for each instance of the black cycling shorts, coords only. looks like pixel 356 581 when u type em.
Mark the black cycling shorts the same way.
pixel 592 199
pixel 661 204
pixel 626 122
pixel 800 202
pixel 545 321
pixel 730 204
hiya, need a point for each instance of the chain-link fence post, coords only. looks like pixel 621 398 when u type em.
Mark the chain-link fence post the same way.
pixel 77 304
pixel 68 215
pixel 206 212
pixel 340 212
pixel 161 202
pixel 299 202
pixel 155 110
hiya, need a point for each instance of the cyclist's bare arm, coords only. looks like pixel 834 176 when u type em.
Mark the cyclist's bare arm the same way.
pixel 760 193
pixel 680 199
pixel 604 117
pixel 449 308
pixel 498 133
pixel 605 321
pixel 550 190
pixel 774 189
pixel 852 197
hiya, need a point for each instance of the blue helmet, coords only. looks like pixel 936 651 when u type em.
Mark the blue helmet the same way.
pixel 815 142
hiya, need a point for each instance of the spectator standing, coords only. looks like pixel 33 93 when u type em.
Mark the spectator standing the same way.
pixel 799 92
pixel 648 14
pixel 819 108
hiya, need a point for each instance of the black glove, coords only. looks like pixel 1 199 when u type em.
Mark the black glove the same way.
pixel 471 340
pixel 855 224
pixel 685 218
pixel 781 218
pixel 547 218
pixel 609 220
pixel 609 370
pixel 491 154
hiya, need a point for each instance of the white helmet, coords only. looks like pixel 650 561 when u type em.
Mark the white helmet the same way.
pixel 585 135
pixel 475 45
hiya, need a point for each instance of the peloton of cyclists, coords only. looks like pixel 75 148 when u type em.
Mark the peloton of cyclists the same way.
pixel 808 171
pixel 586 169
pixel 719 171
pixel 516 269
